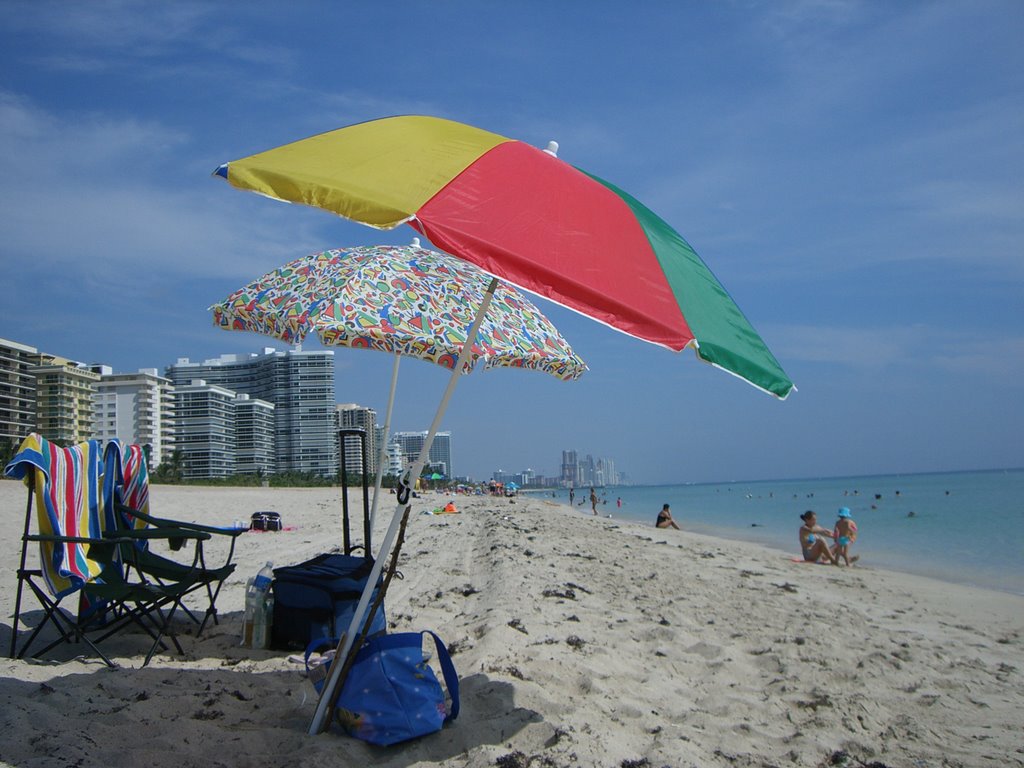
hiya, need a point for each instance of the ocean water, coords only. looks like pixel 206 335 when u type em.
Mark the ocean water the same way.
pixel 966 527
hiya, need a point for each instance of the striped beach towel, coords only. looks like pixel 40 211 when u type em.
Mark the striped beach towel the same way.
pixel 125 480
pixel 68 503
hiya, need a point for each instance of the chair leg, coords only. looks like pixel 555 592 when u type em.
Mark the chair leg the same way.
pixel 74 632
pixel 164 629
pixel 211 611
pixel 75 635
pixel 51 615
pixel 22 573
pixel 17 615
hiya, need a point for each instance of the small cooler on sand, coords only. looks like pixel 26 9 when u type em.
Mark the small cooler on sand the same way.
pixel 318 598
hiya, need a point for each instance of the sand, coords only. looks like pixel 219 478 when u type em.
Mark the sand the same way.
pixel 580 641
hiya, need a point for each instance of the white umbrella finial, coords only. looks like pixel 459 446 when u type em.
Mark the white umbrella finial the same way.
pixel 415 242
pixel 552 148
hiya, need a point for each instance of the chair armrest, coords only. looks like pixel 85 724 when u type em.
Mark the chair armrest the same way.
pixel 75 539
pixel 158 533
pixel 163 522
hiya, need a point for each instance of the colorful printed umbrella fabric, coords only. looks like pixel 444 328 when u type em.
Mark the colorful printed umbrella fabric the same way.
pixel 524 215
pixel 401 299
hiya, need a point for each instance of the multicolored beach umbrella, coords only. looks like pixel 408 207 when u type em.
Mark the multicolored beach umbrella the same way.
pixel 524 215
pixel 406 300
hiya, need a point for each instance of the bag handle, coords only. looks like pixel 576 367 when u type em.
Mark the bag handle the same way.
pixel 451 678
pixel 317 644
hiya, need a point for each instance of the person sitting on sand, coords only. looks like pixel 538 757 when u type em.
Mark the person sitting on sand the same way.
pixel 665 519
pixel 845 533
pixel 814 547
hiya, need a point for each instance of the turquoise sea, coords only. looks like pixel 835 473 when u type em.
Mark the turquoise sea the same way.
pixel 966 527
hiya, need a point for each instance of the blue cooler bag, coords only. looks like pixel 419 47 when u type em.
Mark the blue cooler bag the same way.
pixel 391 693
pixel 318 598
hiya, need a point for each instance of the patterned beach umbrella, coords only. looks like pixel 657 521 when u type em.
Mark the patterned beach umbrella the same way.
pixel 406 300
pixel 524 215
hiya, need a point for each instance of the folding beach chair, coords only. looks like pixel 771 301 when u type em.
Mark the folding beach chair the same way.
pixel 126 505
pixel 80 583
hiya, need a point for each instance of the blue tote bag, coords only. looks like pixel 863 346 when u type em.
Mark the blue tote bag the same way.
pixel 391 693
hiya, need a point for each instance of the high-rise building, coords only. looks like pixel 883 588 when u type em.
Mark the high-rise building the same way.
pixel 353 416
pixel 524 478
pixel 440 457
pixel 301 387
pixel 136 408
pixel 254 436
pixel 394 458
pixel 587 472
pixel 65 400
pixel 17 391
pixel 205 432
pixel 380 439
pixel 611 477
pixel 570 474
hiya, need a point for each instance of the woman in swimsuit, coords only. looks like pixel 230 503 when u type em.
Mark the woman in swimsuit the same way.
pixel 813 546
pixel 665 519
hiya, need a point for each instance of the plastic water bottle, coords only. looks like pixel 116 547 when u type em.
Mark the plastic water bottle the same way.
pixel 249 617
pixel 259 606
pixel 263 622
pixel 268 619
pixel 264 577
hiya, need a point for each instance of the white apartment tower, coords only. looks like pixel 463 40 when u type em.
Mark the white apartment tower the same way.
pixel 254 436
pixel 17 392
pixel 440 457
pixel 299 384
pixel 394 464
pixel 136 408
pixel 205 429
pixel 353 416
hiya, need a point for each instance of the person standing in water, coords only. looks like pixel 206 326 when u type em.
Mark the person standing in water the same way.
pixel 845 533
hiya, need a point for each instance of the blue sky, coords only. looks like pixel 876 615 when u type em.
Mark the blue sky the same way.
pixel 852 172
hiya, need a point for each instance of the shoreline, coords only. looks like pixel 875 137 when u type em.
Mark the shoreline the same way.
pixel 721 538
pixel 938 543
pixel 579 641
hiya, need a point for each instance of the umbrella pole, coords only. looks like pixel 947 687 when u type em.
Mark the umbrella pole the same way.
pixel 383 453
pixel 333 683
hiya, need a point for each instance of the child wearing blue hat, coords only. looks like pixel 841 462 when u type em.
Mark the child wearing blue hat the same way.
pixel 845 533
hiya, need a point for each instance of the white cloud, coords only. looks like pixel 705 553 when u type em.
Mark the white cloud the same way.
pixel 85 195
pixel 110 26
pixel 920 348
